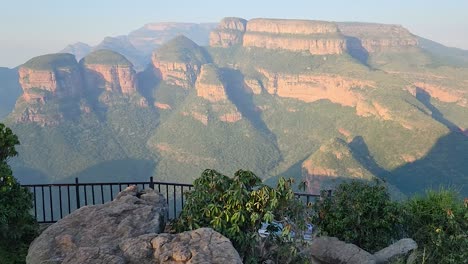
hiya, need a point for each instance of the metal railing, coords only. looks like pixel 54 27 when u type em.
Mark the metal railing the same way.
pixel 54 201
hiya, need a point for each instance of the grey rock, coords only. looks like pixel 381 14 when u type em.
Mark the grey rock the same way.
pixel 203 245
pixel 95 234
pixel 330 250
pixel 399 249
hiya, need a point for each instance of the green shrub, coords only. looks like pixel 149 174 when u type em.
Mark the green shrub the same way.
pixel 17 226
pixel 236 207
pixel 360 213
pixel 438 222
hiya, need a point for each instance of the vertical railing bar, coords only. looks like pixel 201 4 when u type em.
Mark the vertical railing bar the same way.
pixel 175 201
pixel 111 192
pixel 60 201
pixel 120 187
pixel 35 202
pixel 69 200
pixel 102 194
pixel 77 190
pixel 43 204
pixel 167 198
pixel 182 196
pixel 92 192
pixel 85 194
pixel 51 204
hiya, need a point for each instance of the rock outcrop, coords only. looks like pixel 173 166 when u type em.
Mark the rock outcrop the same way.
pixel 400 249
pixel 311 87
pixel 108 70
pixel 127 230
pixel 203 245
pixel 52 75
pixel 316 37
pixel 229 32
pixel 178 62
pixel 97 232
pixel 378 37
pixel 328 250
pixel 209 85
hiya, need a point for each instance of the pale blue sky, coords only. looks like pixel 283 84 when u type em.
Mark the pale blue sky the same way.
pixel 34 27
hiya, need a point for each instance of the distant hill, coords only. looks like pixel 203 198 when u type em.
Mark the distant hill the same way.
pixel 319 101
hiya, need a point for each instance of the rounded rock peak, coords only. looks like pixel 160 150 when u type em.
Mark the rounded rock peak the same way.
pixel 51 61
pixel 106 57
pixel 233 23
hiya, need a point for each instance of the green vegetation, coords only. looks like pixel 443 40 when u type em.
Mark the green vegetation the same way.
pixel 236 207
pixel 360 213
pixel 106 57
pixel 17 226
pixel 51 62
pixel 182 49
pixel 438 222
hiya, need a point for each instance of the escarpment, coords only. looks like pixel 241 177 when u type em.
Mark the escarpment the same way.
pixel 178 62
pixel 377 37
pixel 110 71
pixel 315 37
pixel 229 32
pixel 52 75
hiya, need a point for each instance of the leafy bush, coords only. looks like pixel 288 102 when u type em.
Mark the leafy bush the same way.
pixel 236 207
pixel 438 222
pixel 17 226
pixel 360 213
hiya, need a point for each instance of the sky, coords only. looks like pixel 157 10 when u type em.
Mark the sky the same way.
pixel 35 27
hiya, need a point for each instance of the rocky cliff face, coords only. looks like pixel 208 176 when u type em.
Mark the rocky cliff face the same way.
pixel 378 37
pixel 110 71
pixel 316 37
pixel 209 86
pixel 229 32
pixel 178 62
pixel 55 80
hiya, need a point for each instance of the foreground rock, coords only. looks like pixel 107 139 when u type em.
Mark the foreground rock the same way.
pixel 330 250
pixel 398 250
pixel 92 234
pixel 126 230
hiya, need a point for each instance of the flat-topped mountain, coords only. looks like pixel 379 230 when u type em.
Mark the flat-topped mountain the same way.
pixel 320 101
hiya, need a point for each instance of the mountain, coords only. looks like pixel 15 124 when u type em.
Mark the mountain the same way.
pixel 139 44
pixel 315 100
pixel 10 90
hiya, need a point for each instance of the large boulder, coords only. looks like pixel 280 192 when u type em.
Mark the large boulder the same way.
pixel 330 250
pixel 400 249
pixel 94 234
pixel 127 230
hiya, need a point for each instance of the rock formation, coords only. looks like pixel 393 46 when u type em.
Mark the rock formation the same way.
pixel 326 250
pixel 209 85
pixel 52 75
pixel 315 37
pixel 110 71
pixel 378 37
pixel 126 230
pixel 178 62
pixel 229 32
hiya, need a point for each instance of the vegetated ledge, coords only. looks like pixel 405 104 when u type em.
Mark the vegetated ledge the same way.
pixel 106 57
pixel 51 62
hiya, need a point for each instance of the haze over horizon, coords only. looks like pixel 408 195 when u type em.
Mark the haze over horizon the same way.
pixel 48 26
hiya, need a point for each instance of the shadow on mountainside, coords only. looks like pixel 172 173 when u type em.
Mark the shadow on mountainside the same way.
pixel 361 153
pixel 356 50
pixel 234 82
pixel 444 165
pixel 147 80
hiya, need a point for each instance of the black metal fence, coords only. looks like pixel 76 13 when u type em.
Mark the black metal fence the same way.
pixel 54 201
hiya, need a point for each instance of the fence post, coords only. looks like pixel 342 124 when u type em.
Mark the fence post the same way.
pixel 151 185
pixel 77 190
pixel 329 193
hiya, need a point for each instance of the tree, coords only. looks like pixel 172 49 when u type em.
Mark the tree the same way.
pixel 17 226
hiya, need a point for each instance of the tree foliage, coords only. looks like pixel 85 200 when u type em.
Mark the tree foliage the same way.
pixel 17 226
pixel 438 222
pixel 360 213
pixel 236 207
